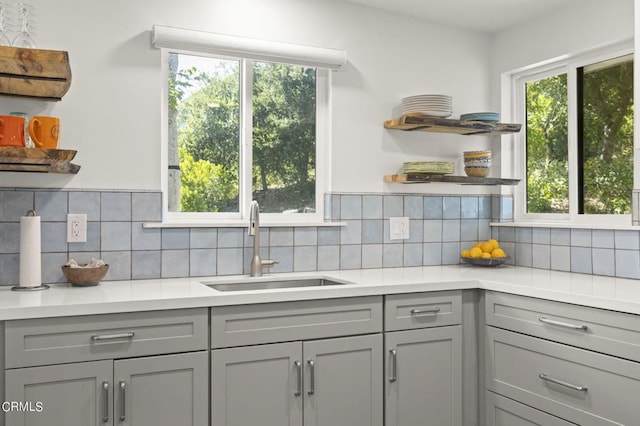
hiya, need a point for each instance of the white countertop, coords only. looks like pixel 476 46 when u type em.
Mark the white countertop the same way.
pixel 617 294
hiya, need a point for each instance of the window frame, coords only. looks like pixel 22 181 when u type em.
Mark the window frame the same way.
pixel 240 218
pixel 569 65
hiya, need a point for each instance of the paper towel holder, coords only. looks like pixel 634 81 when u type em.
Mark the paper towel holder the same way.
pixel 31 288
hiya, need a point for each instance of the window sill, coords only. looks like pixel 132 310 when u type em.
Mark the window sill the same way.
pixel 568 225
pixel 238 224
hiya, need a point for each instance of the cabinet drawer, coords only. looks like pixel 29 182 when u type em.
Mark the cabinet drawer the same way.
pixel 503 411
pixel 287 321
pixel 600 330
pixel 577 385
pixel 421 310
pixel 87 338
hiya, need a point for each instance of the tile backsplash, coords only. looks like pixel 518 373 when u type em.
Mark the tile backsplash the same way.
pixel 440 227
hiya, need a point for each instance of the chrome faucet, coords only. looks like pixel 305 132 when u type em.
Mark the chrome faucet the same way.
pixel 254 230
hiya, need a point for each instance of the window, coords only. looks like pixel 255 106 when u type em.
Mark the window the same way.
pixel 576 152
pixel 244 119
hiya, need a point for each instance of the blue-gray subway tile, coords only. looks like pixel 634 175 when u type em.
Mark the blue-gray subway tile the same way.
pixel 560 258
pixel 352 232
pixel 506 209
pixel 484 207
pixel 484 229
pixel 93 239
pixel 351 256
pixel 413 207
pixel 432 230
pixel 305 236
pixel 10 241
pixel 495 208
pixel 231 237
pixel 119 265
pixel 202 262
pixel 432 254
pixel 52 267
pixel 392 206
pixel 9 269
pixel 627 240
pixel 412 254
pixel 372 207
pixel 328 257
pixel 372 231
pixel 175 238
pixel 372 256
pixel 469 230
pixel 145 238
pixel 305 258
pixel 524 254
pixel 450 253
pixel 603 261
pixel 51 206
pixel 581 260
pixel 392 255
pixel 175 263
pixel 416 231
pixel 229 261
pixel 281 237
pixel 264 236
pixel 581 237
pixel 433 207
pixel 541 236
pixel 451 207
pixel 335 207
pixel 541 256
pixel 53 237
pixel 85 202
pixel 204 238
pixel 524 235
pixel 560 236
pixel 15 204
pixel 115 206
pixel 146 206
pixel 115 236
pixel 627 263
pixel 450 230
pixel 351 207
pixel 146 264
pixel 284 257
pixel 469 208
pixel 328 236
pixel 602 238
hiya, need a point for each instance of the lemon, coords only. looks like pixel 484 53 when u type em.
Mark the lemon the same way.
pixel 486 255
pixel 478 245
pixel 498 253
pixel 475 252
pixel 486 247
pixel 465 253
pixel 494 243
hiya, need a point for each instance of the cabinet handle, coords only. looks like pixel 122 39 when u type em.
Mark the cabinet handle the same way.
pixel 298 365
pixel 430 311
pixel 562 324
pixel 105 394
pixel 312 377
pixel 394 365
pixel 128 335
pixel 563 383
pixel 123 411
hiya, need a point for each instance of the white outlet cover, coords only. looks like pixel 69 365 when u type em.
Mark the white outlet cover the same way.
pixel 76 228
pixel 398 228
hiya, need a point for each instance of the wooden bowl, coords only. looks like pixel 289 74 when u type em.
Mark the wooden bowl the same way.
pixel 84 277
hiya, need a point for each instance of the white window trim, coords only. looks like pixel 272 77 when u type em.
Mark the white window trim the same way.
pixel 174 40
pixel 513 83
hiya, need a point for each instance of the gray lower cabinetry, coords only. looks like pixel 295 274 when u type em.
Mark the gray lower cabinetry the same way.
pixel 329 382
pixel 423 383
pixel 159 390
pixel 503 411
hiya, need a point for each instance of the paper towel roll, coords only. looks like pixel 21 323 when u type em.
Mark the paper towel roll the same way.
pixel 30 255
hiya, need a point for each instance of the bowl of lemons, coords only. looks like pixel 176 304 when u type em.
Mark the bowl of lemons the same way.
pixel 485 253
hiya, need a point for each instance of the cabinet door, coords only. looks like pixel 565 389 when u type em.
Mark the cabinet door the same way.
pixel 423 380
pixel 69 394
pixel 257 385
pixel 161 390
pixel 343 385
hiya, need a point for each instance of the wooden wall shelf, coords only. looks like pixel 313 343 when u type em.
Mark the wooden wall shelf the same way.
pixel 34 73
pixel 411 122
pixel 39 160
pixel 464 180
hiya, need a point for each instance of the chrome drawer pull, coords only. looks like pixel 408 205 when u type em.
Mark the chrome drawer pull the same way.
pixel 123 398
pixel 415 311
pixel 97 337
pixel 562 324
pixel 105 392
pixel 298 391
pixel 312 377
pixel 394 365
pixel 563 383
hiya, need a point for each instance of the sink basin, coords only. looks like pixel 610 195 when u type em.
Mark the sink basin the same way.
pixel 271 284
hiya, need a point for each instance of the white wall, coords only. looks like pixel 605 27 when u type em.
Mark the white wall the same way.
pixel 111 114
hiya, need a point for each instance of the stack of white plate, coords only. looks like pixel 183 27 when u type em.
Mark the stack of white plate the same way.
pixel 431 105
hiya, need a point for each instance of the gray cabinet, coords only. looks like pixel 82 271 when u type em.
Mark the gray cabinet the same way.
pixel 312 383
pixel 503 411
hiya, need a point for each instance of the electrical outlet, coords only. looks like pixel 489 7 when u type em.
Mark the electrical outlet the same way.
pixel 398 228
pixel 76 228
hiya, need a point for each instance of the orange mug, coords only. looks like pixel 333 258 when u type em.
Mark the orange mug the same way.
pixel 44 131
pixel 11 130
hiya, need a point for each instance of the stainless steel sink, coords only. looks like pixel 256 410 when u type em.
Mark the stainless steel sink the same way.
pixel 271 284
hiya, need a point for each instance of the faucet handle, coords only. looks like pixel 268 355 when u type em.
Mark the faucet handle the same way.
pixel 266 263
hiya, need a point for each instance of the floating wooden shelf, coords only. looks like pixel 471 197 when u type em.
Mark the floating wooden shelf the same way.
pixel 464 180
pixel 34 73
pixel 17 159
pixel 446 125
